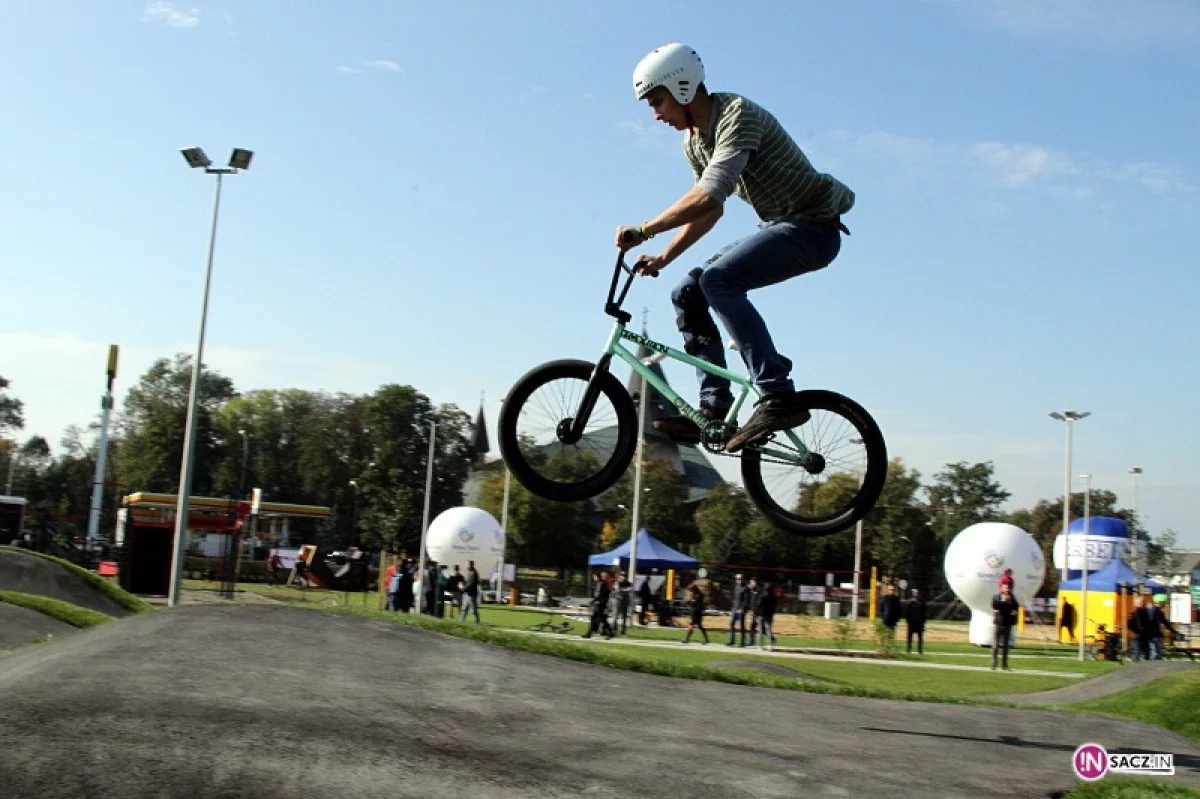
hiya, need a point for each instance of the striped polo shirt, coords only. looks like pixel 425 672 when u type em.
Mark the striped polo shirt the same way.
pixel 778 180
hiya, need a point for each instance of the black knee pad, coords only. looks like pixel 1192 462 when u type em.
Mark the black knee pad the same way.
pixel 694 317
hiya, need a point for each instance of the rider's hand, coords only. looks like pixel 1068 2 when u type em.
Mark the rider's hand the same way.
pixel 650 265
pixel 629 237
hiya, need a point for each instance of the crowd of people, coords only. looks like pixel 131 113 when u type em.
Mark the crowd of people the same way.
pixel 456 588
pixel 751 618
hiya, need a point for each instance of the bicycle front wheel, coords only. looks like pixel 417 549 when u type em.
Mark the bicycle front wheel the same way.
pixel 840 483
pixel 535 421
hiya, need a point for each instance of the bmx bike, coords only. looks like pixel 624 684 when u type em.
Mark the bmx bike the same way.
pixel 568 431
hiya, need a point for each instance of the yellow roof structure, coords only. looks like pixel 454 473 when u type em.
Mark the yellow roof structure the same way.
pixel 143 499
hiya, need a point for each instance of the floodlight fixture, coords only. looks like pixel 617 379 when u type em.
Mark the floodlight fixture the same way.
pixel 240 159
pixel 196 158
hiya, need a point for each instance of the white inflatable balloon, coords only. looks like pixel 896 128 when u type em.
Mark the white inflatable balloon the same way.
pixel 974 562
pixel 461 534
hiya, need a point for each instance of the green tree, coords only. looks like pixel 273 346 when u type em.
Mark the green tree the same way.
pixel 391 498
pixel 1162 556
pixel 12 410
pixel 964 494
pixel 154 420
pixel 721 518
pixel 543 532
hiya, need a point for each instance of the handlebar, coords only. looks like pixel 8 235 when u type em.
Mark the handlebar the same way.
pixel 612 305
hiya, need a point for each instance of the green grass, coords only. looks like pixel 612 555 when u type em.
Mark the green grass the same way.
pixel 876 681
pixel 101 584
pixel 912 681
pixel 1132 788
pixel 55 609
pixel 1171 701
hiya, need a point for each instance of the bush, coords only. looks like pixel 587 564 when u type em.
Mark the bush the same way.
pixel 885 639
pixel 843 631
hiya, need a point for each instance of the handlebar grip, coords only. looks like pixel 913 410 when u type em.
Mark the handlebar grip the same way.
pixel 629 237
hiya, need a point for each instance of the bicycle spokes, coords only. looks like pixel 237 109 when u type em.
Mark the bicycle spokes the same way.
pixel 545 432
pixel 814 470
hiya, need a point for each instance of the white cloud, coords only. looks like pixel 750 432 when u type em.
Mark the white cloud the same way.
pixel 1021 165
pixel 378 64
pixel 1109 23
pixel 166 12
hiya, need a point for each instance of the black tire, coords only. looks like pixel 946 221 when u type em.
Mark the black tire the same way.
pixel 849 510
pixel 609 467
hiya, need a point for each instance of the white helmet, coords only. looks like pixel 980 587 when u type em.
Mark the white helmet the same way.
pixel 676 66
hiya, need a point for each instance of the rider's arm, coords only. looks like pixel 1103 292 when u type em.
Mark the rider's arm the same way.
pixel 691 233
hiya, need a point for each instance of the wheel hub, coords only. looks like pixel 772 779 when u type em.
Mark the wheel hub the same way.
pixel 564 434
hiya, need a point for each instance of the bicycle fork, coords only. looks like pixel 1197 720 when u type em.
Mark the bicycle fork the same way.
pixel 571 430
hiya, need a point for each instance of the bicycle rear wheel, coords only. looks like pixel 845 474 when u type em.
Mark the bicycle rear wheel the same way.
pixel 534 431
pixel 837 487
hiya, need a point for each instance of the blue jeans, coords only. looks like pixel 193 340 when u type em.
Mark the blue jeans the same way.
pixel 775 253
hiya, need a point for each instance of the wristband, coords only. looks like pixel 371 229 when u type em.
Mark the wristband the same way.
pixel 642 232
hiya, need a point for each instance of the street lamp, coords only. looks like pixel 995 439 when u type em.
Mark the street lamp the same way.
pixel 1140 552
pixel 353 512
pixel 1087 544
pixel 195 157
pixel 425 515
pixel 1069 417
pixel 637 471
pixel 241 494
pixel 858 536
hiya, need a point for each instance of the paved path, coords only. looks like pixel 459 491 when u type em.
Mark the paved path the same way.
pixel 19 625
pixel 1130 675
pixel 797 654
pixel 262 701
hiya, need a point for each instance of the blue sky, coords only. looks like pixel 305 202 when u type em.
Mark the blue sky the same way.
pixel 436 185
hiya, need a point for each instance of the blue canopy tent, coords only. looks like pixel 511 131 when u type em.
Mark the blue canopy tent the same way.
pixel 1116 573
pixel 1110 599
pixel 651 554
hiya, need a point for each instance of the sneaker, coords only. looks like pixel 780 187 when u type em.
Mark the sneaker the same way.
pixel 683 429
pixel 773 412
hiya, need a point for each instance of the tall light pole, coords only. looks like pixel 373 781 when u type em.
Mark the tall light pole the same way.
pixel 1139 552
pixel 1070 418
pixel 637 470
pixel 858 537
pixel 241 494
pixel 425 516
pixel 106 404
pixel 195 157
pixel 1087 544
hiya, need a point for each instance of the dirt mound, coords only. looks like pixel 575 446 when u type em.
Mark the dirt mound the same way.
pixel 19 625
pixel 30 574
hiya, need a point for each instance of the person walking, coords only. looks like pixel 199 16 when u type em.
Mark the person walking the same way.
pixel 697 615
pixel 1004 618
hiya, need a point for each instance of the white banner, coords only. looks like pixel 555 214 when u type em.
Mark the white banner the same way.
pixel 1101 550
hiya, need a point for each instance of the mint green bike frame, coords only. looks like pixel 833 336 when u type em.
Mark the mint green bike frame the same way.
pixel 800 455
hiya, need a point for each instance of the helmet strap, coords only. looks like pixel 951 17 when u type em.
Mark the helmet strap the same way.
pixel 691 120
